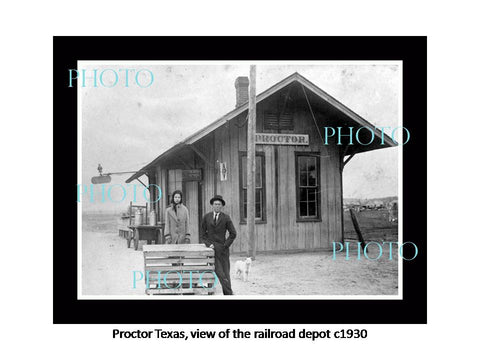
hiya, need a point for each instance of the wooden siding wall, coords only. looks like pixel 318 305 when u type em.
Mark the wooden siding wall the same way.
pixel 191 192
pixel 281 230
pixel 161 176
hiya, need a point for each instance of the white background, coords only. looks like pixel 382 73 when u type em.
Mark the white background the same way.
pixel 26 181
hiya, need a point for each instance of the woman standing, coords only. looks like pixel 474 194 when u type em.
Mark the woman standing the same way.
pixel 177 221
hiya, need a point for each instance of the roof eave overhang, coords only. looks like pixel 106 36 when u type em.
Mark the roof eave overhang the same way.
pixel 388 142
pixel 144 170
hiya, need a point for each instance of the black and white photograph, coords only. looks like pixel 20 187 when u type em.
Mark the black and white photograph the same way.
pixel 231 180
pixel 174 156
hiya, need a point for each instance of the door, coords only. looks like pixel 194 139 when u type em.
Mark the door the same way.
pixel 191 192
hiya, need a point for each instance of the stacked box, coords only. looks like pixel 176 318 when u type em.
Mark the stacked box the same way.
pixel 184 269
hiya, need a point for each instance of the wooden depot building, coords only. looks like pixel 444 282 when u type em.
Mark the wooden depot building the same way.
pixel 299 192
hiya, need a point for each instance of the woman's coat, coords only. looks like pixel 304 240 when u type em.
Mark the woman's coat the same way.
pixel 177 225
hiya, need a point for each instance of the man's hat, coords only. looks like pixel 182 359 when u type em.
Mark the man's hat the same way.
pixel 217 197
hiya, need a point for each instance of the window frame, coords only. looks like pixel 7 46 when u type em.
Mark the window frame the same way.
pixel 278 129
pixel 283 104
pixel 263 220
pixel 317 218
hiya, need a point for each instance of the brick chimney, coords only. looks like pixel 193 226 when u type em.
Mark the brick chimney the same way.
pixel 241 86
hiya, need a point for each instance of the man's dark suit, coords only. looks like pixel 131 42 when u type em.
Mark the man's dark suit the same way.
pixel 215 234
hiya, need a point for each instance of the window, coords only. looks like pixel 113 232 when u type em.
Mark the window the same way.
pixel 259 187
pixel 308 186
pixel 174 183
pixel 278 122
pixel 281 116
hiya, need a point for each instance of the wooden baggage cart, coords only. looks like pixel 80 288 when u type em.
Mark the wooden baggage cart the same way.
pixel 125 233
pixel 150 233
pixel 183 269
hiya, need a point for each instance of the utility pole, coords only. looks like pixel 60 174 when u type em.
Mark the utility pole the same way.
pixel 252 119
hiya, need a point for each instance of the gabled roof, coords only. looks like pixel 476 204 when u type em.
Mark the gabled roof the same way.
pixel 295 77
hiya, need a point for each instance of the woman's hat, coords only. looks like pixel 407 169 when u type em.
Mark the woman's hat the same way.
pixel 217 197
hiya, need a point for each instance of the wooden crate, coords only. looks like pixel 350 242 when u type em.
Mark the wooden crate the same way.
pixel 184 269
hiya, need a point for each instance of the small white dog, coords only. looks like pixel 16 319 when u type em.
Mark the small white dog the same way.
pixel 242 268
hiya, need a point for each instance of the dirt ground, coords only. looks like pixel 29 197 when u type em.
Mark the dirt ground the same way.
pixel 108 265
pixel 108 269
pixel 318 274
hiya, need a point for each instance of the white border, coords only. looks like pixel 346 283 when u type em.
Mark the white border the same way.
pixel 399 296
pixel 79 204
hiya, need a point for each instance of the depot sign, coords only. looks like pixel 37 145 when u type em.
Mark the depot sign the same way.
pixel 281 139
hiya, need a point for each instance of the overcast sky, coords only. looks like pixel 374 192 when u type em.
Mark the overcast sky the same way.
pixel 124 128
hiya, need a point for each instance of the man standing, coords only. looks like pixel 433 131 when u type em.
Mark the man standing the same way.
pixel 213 233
